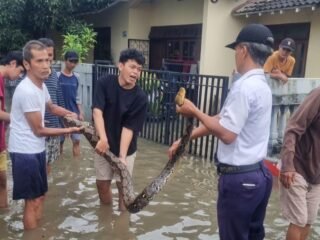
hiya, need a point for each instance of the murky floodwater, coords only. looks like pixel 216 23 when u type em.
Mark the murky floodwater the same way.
pixel 185 209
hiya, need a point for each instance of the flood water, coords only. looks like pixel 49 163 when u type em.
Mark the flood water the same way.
pixel 184 209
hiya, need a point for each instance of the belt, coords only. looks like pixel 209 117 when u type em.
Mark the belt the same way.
pixel 231 169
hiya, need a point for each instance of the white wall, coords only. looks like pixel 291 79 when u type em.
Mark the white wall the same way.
pixel 219 29
pixel 117 18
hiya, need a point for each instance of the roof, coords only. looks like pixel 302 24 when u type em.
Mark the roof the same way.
pixel 95 7
pixel 263 6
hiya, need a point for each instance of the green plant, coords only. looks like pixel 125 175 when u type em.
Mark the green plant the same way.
pixel 21 20
pixel 151 86
pixel 80 38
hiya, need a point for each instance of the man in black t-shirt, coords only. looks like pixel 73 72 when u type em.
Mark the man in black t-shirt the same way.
pixel 119 110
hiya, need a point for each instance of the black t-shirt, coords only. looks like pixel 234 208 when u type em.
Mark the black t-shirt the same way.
pixel 121 108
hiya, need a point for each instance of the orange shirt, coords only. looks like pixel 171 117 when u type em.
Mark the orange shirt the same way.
pixel 273 62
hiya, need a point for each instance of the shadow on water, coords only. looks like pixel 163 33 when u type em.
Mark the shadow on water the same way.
pixel 185 209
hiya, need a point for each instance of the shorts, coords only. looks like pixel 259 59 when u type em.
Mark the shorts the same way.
pixel 104 170
pixel 52 149
pixel 3 161
pixel 29 175
pixel 75 137
pixel 300 203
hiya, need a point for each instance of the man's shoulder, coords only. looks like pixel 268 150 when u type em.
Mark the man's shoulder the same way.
pixel 291 60
pixel 253 83
pixel 274 56
pixel 77 75
pixel 25 88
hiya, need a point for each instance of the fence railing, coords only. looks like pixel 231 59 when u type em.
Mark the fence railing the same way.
pixel 163 125
pixel 285 100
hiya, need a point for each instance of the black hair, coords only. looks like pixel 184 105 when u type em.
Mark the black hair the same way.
pixel 131 54
pixel 13 56
pixel 47 42
pixel 32 45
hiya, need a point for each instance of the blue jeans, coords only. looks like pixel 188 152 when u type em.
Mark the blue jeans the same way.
pixel 242 204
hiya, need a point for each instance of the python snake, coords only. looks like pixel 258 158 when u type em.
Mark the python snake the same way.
pixel 132 203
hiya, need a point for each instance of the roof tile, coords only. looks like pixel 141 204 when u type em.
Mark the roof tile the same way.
pixel 260 6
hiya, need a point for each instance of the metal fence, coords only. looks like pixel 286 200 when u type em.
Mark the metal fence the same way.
pixel 163 125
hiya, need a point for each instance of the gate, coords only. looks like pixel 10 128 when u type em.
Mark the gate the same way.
pixel 163 125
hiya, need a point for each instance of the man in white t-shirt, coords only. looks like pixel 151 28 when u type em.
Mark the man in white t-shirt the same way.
pixel 27 133
pixel 243 130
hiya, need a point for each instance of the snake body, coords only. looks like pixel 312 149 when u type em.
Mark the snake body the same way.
pixel 132 203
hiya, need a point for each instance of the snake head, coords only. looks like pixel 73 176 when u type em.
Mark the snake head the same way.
pixel 179 99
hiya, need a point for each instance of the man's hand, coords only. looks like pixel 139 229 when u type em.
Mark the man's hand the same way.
pixel 102 146
pixel 287 178
pixel 276 73
pixel 188 109
pixel 123 160
pixel 173 148
pixel 75 129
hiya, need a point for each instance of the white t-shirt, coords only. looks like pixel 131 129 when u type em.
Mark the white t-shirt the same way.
pixel 26 98
pixel 247 112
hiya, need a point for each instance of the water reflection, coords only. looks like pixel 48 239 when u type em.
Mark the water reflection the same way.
pixel 185 209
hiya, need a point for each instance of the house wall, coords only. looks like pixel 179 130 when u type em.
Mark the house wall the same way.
pixel 137 22
pixel 163 13
pixel 117 18
pixel 219 28
pixel 304 16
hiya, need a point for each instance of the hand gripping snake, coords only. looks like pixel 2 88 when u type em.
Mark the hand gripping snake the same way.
pixel 132 203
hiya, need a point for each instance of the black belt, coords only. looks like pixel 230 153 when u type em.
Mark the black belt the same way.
pixel 231 169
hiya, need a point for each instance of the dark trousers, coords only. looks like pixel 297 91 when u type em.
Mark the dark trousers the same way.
pixel 242 204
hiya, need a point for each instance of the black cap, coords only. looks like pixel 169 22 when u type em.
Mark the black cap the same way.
pixel 254 33
pixel 71 55
pixel 288 43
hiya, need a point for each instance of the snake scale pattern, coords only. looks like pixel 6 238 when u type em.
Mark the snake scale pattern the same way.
pixel 132 203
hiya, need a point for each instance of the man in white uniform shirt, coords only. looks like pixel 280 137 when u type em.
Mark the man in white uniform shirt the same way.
pixel 243 130
pixel 27 133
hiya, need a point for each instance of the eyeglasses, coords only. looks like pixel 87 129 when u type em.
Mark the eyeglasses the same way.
pixel 73 61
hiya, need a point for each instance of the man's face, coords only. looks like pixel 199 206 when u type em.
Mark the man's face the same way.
pixel 284 52
pixel 71 64
pixel 14 71
pixel 39 65
pixel 50 51
pixel 130 72
pixel 240 55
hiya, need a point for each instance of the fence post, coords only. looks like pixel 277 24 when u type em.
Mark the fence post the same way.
pixel 225 86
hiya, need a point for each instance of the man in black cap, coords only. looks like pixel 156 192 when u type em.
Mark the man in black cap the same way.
pixel 69 83
pixel 242 127
pixel 280 64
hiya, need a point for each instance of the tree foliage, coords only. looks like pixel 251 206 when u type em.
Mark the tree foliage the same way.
pixel 21 20
pixel 80 38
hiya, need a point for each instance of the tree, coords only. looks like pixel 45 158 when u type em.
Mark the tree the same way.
pixel 80 37
pixel 11 37
pixel 21 20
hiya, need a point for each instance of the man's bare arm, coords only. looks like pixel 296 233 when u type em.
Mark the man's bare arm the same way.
pixel 35 121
